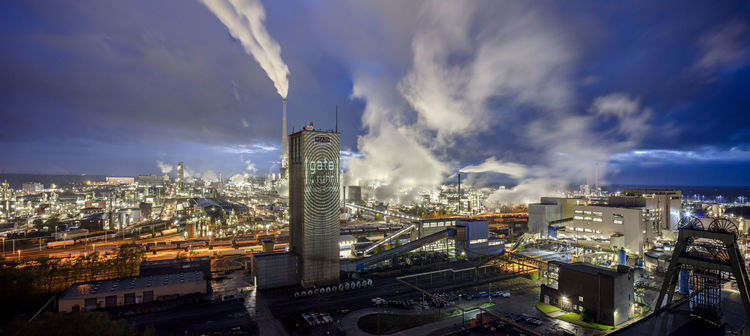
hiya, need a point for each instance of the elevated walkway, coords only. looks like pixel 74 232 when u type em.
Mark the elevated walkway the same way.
pixel 404 230
pixel 523 239
pixel 361 264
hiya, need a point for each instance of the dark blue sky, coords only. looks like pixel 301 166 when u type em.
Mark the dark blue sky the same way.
pixel 653 93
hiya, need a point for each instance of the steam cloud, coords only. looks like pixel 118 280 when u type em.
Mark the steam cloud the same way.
pixel 461 62
pixel 244 19
pixel 470 69
pixel 164 167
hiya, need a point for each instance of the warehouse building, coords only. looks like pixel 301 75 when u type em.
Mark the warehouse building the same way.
pixel 129 291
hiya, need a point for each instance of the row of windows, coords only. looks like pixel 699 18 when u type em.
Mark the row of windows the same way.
pixel 437 224
pixel 579 229
pixel 478 241
pixel 595 219
pixel 587 212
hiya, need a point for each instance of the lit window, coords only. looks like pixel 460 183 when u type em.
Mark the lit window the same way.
pixel 596 219
pixel 579 211
pixel 580 298
pixel 597 213
pixel 587 212
pixel 577 217
pixel 617 221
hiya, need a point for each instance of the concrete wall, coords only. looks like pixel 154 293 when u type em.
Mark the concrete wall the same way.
pixel 540 215
pixel 274 270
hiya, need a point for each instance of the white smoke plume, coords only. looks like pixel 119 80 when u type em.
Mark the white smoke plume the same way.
pixel 209 176
pixel 240 180
pixel 244 20
pixel 463 59
pixel 164 167
pixel 493 165
pixel 250 167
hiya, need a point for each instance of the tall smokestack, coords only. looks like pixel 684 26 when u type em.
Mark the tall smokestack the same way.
pixel 284 150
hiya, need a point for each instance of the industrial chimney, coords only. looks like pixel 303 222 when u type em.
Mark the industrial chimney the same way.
pixel 284 150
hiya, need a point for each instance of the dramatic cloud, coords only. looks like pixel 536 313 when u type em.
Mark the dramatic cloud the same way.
pixel 493 165
pixel 424 88
pixel 244 19
pixel 463 60
pixel 728 46
pixel 393 157
pixel 577 148
pixel 651 157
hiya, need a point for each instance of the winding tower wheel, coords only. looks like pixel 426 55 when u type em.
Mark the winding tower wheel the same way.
pixel 693 223
pixel 723 225
pixel 690 222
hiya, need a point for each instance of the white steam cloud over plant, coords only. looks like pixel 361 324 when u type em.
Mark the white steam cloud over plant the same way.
pixel 470 69
pixel 164 167
pixel 244 20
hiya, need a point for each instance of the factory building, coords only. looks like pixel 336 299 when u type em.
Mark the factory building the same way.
pixel 128 291
pixel 473 239
pixel 32 188
pixel 628 228
pixel 152 180
pixel 314 205
pixel 606 294
pixel 120 180
pixel 551 212
pixel 666 204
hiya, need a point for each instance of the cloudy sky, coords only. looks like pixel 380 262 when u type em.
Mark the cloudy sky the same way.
pixel 534 92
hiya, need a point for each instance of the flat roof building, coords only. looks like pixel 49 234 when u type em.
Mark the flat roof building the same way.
pixel 605 294
pixel 666 204
pixel 604 222
pixel 109 293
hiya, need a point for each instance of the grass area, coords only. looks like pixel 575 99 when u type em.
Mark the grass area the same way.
pixel 576 319
pixel 391 323
pixel 546 308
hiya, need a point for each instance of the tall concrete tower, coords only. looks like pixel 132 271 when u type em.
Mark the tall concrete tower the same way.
pixel 314 205
pixel 283 170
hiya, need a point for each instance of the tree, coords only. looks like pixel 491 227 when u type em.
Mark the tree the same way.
pixel 52 222
pixel 38 224
pixel 81 323
pixel 128 258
